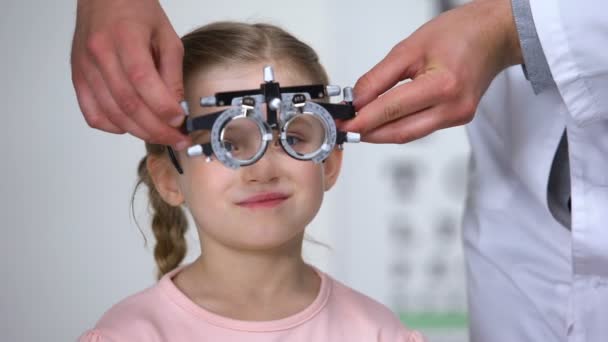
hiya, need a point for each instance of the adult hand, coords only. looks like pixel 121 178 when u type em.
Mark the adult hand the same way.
pixel 450 60
pixel 127 69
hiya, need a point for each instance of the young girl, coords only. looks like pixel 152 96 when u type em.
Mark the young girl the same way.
pixel 250 282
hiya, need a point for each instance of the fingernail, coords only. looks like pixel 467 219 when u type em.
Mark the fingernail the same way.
pixel 177 121
pixel 181 145
pixel 185 108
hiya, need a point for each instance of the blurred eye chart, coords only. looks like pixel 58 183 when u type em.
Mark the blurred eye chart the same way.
pixel 398 218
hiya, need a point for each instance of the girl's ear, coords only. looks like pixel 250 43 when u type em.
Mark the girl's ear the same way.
pixel 331 168
pixel 164 178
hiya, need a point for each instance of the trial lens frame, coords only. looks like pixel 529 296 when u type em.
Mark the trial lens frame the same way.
pixel 275 96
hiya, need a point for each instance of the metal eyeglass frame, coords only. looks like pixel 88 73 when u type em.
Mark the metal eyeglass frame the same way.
pixel 283 104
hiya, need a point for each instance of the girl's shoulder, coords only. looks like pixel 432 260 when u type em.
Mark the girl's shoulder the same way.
pixel 133 307
pixel 359 310
pixel 127 317
pixel 358 303
pixel 141 314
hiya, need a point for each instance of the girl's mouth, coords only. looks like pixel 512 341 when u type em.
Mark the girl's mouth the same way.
pixel 264 200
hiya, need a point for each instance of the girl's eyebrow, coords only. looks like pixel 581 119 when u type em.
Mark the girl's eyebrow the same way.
pixel 238 130
pixel 301 122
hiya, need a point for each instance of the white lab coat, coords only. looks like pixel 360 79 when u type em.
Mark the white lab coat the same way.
pixel 529 277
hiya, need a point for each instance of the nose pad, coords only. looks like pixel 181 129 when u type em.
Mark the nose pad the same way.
pixel 276 141
pixel 275 144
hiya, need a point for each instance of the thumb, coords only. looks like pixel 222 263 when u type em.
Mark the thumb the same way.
pixel 399 64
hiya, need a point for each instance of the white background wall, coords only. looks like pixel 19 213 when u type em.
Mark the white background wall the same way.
pixel 68 247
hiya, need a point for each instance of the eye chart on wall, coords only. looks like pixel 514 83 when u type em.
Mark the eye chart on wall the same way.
pixel 399 229
pixel 394 217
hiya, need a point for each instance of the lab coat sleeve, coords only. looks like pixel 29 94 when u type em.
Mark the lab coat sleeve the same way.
pixel 535 67
pixel 574 39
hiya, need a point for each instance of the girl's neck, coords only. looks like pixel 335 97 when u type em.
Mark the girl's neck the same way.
pixel 250 285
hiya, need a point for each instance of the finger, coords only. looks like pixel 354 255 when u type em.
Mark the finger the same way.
pixel 138 63
pixel 405 99
pixel 171 55
pixel 93 116
pixel 127 98
pixel 405 129
pixel 109 107
pixel 398 65
pixel 413 127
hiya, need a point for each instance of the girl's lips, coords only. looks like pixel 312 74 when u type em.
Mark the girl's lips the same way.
pixel 264 200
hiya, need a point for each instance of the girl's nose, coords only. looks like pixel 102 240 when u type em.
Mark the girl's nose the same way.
pixel 266 169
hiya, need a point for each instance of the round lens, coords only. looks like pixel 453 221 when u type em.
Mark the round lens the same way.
pixel 304 134
pixel 241 138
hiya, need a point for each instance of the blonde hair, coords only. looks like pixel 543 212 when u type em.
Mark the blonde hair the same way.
pixel 212 45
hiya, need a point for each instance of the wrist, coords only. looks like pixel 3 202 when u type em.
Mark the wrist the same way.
pixel 500 16
pixel 501 35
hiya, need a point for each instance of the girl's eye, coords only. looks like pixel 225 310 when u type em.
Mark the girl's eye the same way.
pixel 228 146
pixel 293 140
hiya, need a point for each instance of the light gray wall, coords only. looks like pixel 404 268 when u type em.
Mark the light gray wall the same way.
pixel 69 248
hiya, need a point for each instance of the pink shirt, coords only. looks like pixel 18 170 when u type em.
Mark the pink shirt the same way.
pixel 164 313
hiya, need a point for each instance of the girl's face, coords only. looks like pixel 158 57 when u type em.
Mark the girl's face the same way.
pixel 262 206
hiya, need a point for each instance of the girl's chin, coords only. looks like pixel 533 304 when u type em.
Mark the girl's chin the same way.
pixel 268 240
